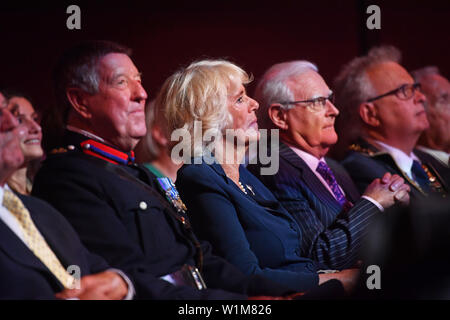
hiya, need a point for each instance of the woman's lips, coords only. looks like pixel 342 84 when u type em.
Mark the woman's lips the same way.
pixel 32 141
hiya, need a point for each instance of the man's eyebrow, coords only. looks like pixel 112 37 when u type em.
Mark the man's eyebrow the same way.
pixel 120 74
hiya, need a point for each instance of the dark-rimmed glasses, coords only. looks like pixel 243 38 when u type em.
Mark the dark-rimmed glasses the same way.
pixel 315 104
pixel 404 92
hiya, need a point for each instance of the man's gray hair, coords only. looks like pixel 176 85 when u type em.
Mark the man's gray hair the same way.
pixel 419 74
pixel 352 86
pixel 273 87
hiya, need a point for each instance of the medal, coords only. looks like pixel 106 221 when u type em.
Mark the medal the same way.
pixel 171 193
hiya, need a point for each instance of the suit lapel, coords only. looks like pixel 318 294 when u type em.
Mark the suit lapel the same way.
pixel 18 251
pixel 314 184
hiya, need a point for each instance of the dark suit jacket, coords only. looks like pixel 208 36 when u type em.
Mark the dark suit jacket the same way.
pixel 331 235
pixel 253 231
pixel 22 274
pixel 366 163
pixel 145 241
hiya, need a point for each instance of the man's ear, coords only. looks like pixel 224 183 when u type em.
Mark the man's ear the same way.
pixel 278 115
pixel 369 114
pixel 77 99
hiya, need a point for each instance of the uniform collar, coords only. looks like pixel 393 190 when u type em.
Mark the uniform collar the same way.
pixel 100 148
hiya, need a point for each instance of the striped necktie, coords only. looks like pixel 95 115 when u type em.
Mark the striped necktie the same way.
pixel 324 170
pixel 34 240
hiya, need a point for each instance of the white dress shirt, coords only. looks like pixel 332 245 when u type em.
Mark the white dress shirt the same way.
pixel 312 162
pixel 403 161
pixel 8 218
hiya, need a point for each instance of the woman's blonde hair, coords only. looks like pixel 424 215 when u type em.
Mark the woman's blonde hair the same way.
pixel 199 92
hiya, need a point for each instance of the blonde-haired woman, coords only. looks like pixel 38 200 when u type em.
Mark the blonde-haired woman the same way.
pixel 228 206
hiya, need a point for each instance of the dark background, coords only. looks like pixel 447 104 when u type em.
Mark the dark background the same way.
pixel 254 34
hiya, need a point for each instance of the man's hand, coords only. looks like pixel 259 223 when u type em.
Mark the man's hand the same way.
pixel 348 278
pixel 388 190
pixel 107 285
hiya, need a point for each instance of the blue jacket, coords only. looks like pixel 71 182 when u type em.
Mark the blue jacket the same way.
pixel 252 231
pixel 331 235
pixel 22 274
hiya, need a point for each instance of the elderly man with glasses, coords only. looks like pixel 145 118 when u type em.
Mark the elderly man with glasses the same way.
pixel 385 108
pixel 317 191
pixel 436 139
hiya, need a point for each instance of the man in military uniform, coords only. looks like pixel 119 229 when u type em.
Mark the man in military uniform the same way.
pixel 381 100
pixel 121 210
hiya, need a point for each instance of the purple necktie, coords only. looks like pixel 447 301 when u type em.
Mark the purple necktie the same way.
pixel 324 170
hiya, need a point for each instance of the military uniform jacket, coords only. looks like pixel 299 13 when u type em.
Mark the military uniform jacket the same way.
pixel 366 163
pixel 133 230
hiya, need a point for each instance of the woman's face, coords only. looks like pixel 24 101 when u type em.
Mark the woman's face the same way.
pixel 242 109
pixel 31 142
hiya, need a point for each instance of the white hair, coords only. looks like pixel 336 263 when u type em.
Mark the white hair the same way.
pixel 273 87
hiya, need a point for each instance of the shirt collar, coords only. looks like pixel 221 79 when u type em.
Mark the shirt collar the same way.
pixel 85 133
pixel 309 159
pixel 2 192
pixel 403 161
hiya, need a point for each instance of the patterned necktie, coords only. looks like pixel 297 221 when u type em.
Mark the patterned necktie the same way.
pixel 420 176
pixel 33 239
pixel 324 170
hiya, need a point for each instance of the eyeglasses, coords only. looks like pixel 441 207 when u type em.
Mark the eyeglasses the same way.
pixel 316 104
pixel 404 92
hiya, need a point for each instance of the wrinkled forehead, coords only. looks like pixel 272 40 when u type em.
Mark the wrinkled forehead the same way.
pixel 386 76
pixel 308 85
pixel 435 83
pixel 235 82
pixel 113 64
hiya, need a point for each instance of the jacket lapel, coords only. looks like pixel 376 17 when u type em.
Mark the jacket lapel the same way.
pixel 16 249
pixel 314 184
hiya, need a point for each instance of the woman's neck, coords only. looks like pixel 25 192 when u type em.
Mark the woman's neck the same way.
pixel 230 158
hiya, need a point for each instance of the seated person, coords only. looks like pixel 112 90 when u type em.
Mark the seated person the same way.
pixel 380 99
pixel 436 139
pixel 316 190
pixel 228 206
pixel 153 149
pixel 37 244
pixel 122 211
pixel 20 106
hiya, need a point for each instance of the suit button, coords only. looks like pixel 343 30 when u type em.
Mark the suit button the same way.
pixel 143 205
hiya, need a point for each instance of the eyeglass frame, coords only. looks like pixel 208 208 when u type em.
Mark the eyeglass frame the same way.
pixel 416 86
pixel 310 101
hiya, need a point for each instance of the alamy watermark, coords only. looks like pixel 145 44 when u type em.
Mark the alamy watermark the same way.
pixel 75 271
pixel 195 149
pixel 374 21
